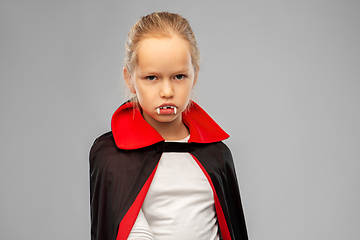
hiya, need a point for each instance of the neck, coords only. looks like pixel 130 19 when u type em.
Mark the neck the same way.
pixel 174 130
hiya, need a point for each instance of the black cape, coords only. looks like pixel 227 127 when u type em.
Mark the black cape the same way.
pixel 123 163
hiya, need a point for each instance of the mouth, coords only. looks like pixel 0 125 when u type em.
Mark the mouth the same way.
pixel 166 110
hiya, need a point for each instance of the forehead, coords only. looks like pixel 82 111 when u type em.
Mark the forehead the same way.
pixel 163 53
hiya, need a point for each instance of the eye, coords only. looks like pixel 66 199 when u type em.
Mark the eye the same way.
pixel 179 76
pixel 151 78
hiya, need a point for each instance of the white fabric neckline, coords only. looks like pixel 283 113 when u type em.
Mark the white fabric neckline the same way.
pixel 185 140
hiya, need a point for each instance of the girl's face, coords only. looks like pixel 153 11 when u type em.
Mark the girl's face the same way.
pixel 163 79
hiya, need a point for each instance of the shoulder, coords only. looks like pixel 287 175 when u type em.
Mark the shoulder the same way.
pixel 221 146
pixel 103 154
pixel 103 144
pixel 104 138
pixel 214 148
pixel 217 151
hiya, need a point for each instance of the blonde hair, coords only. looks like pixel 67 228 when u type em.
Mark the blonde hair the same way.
pixel 158 25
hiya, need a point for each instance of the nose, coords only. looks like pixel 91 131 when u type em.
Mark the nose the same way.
pixel 166 90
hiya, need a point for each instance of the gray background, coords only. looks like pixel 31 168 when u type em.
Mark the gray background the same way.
pixel 281 77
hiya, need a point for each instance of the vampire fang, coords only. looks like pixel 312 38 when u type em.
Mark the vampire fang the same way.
pixel 166 107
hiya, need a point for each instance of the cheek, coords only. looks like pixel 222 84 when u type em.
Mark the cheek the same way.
pixel 189 89
pixel 143 94
pixel 138 90
pixel 186 94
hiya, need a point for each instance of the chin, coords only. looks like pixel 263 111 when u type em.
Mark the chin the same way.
pixel 165 118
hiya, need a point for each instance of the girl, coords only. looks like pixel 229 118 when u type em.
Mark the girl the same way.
pixel 163 171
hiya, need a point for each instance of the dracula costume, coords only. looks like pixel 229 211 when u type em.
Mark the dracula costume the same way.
pixel 123 163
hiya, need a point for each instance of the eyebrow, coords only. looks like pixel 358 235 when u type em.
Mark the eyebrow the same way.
pixel 152 72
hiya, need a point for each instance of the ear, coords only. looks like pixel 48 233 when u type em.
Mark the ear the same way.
pixel 196 76
pixel 128 80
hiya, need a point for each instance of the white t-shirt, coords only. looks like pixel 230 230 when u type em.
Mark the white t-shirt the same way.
pixel 179 203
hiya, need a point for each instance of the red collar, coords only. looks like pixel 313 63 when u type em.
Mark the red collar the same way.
pixel 131 131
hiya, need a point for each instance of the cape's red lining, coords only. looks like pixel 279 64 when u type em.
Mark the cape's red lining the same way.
pixel 219 212
pixel 130 217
